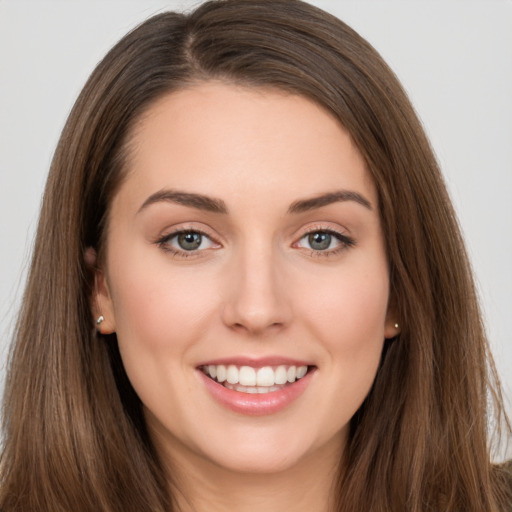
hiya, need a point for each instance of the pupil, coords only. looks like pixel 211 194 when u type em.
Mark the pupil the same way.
pixel 319 241
pixel 189 241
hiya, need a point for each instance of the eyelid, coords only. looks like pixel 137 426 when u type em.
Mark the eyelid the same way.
pixel 345 241
pixel 163 241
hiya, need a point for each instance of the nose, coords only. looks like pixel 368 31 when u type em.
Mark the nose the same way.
pixel 257 301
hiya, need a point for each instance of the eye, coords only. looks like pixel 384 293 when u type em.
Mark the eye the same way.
pixel 188 241
pixel 320 241
pixel 325 241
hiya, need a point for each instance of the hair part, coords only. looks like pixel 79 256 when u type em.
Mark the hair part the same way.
pixel 74 431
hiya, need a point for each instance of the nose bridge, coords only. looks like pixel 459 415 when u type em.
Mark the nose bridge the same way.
pixel 257 300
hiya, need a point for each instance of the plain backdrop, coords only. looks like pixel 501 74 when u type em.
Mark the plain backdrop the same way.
pixel 454 57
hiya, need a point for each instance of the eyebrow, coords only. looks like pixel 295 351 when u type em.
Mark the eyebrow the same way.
pixel 198 201
pixel 214 205
pixel 304 205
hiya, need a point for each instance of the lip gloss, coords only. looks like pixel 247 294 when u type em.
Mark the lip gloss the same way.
pixel 256 404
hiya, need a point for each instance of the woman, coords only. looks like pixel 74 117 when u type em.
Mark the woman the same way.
pixel 248 289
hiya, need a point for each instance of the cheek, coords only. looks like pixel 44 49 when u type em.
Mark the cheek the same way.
pixel 349 311
pixel 346 316
pixel 160 317
pixel 158 310
pixel 350 321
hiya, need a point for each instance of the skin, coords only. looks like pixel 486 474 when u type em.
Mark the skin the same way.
pixel 255 288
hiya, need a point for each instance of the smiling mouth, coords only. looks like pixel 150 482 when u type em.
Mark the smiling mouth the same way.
pixel 247 379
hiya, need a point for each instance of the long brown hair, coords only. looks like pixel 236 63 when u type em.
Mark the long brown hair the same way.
pixel 74 433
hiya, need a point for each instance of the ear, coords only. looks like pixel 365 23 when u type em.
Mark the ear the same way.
pixel 391 326
pixel 101 302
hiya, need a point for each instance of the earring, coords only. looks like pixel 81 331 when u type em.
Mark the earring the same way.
pixel 396 326
pixel 100 319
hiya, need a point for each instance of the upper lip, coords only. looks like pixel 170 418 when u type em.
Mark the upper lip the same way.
pixel 256 362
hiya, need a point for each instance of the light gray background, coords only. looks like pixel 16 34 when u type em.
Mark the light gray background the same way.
pixel 453 56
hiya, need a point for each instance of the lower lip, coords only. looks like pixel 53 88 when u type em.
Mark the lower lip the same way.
pixel 256 404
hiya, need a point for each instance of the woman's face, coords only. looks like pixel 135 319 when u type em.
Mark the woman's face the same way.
pixel 245 244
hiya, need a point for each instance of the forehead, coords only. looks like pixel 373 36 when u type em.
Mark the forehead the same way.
pixel 229 141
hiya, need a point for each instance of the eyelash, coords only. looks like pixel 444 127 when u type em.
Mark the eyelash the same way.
pixel 163 243
pixel 345 242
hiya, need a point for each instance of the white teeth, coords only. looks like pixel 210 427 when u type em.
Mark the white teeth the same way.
pixel 281 375
pixel 232 374
pixel 301 371
pixel 221 373
pixel 265 376
pixel 252 390
pixel 247 376
pixel 291 374
pixel 212 371
pixel 255 380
